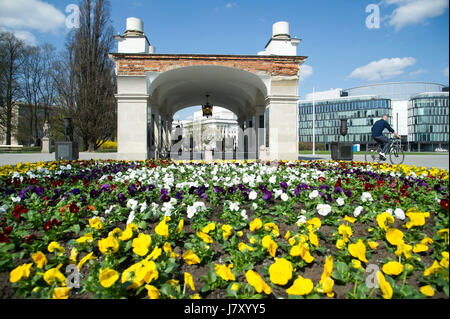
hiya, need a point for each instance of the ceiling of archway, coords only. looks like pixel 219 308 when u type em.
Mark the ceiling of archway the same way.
pixel 231 88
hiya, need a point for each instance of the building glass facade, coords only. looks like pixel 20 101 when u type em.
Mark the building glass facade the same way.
pixel 428 121
pixel 360 112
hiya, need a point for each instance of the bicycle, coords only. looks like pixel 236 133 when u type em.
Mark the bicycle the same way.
pixel 396 153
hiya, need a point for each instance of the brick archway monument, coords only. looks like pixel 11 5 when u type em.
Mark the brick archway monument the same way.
pixel 262 90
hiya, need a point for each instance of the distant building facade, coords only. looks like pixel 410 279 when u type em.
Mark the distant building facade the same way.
pixel 418 111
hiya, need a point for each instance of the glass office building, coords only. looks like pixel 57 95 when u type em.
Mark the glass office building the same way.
pixel 428 122
pixel 418 111
pixel 360 112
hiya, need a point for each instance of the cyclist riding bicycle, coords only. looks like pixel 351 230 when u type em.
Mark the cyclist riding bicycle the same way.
pixel 377 134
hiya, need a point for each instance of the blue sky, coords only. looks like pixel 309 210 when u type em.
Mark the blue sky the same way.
pixel 411 43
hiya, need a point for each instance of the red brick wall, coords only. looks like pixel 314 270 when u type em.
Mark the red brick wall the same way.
pixel 138 64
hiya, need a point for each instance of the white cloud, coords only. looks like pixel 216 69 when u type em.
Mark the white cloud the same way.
pixel 231 5
pixel 446 71
pixel 382 69
pixel 411 12
pixel 305 71
pixel 417 72
pixel 20 15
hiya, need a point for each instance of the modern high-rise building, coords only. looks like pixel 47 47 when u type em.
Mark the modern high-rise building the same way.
pixel 418 111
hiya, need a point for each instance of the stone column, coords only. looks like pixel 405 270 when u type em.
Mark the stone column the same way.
pixel 259 127
pixel 132 126
pixel 283 118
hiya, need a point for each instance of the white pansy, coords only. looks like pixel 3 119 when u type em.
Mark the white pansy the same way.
pixel 399 213
pixel 301 220
pixel 323 209
pixel 132 204
pixel 144 206
pixel 199 206
pixel 16 199
pixel 358 210
pixel 253 195
pixel 277 192
pixel 272 179
pixel 366 196
pixel 234 206
pixel 254 206
pixel 313 194
pixel 191 211
pixel 284 197
pixel 3 209
pixel 340 201
pixel 130 217
pixel 244 214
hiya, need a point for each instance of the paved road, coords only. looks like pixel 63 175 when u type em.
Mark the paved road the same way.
pixel 429 161
pixel 438 161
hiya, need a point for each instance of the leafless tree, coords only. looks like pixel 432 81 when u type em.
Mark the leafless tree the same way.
pixel 87 81
pixel 11 59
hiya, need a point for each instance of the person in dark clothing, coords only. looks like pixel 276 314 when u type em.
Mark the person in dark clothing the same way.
pixel 377 134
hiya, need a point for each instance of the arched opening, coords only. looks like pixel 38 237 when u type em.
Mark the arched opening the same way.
pixel 241 92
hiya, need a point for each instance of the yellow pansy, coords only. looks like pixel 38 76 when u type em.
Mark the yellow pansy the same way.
pixel 152 292
pixel 205 237
pixel 394 236
pixel 417 218
pixel 226 231
pixel 211 226
pixel 393 268
pixel 85 259
pixel 314 222
pixel 313 239
pixel 141 244
pixel 356 263
pixel 54 274
pixel 107 277
pixel 280 271
pixel 180 226
pixel 350 219
pixel 139 273
pixel 404 249
pixel 327 269
pixel 22 271
pixel 191 258
pixel 55 247
pixel 242 246
pixel 155 253
pixel 39 259
pixel 116 231
pixel 287 235
pixel 383 218
pixel 443 233
pixel 373 244
pixel 340 243
pixel 86 238
pixel 168 250
pixel 108 245
pixel 302 249
pixel 433 269
pixel 73 255
pixel 270 245
pixel 224 272
pixel 326 287
pixel 128 232
pixel 255 280
pixel 273 227
pixel 358 250
pixel 189 280
pixel 419 248
pixel 61 293
pixel 345 231
pixel 255 224
pixel 385 286
pixel 301 286
pixel 444 261
pixel 427 290
pixel 162 229
pixel 96 223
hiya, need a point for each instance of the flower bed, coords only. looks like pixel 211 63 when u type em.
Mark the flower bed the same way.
pixel 318 229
